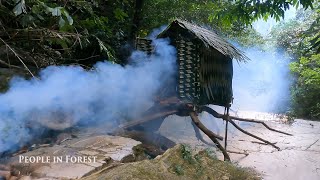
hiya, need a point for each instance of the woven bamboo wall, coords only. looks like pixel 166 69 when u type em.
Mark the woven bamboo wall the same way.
pixel 216 72
pixel 144 45
pixel 204 74
pixel 188 73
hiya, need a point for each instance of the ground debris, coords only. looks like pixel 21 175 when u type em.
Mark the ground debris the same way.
pixel 178 162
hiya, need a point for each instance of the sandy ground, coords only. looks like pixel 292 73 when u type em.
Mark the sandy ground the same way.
pixel 298 159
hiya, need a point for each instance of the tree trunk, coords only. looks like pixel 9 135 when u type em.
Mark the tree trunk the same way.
pixel 136 21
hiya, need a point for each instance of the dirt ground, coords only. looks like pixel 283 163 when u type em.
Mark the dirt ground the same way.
pixel 298 159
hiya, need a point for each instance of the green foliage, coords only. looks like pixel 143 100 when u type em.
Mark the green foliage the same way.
pixel 300 38
pixel 315 31
pixel 233 18
pixel 90 30
pixel 178 169
pixel 214 14
pixel 186 152
pixel 306 92
pixel 309 69
pixel 293 35
pixel 67 32
pixel 194 160
pixel 211 153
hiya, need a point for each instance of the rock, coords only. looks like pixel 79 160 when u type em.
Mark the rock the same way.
pixel 74 158
pixel 13 178
pixel 4 167
pixel 63 170
pixel 5 174
pixel 25 178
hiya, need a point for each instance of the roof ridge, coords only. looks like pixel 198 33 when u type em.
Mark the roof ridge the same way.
pixel 210 39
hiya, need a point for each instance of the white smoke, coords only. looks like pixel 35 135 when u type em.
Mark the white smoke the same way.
pixel 260 85
pixel 69 95
pixel 263 83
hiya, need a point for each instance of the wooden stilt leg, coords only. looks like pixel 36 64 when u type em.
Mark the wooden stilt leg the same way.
pixel 226 111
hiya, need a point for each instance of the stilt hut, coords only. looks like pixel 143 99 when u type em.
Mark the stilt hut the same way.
pixel 204 76
pixel 204 62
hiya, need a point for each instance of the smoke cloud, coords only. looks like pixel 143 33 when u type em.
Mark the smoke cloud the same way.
pixel 263 83
pixel 69 95
pixel 260 85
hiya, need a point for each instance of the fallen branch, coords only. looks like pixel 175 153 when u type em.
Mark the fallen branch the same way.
pixel 218 115
pixel 260 122
pixel 312 144
pixel 262 143
pixel 210 134
pixel 229 119
pixel 236 152
pixel 254 136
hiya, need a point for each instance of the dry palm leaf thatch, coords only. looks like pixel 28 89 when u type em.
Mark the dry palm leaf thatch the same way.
pixel 204 61
pixel 209 39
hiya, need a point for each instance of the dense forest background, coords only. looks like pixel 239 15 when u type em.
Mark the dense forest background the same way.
pixel 37 33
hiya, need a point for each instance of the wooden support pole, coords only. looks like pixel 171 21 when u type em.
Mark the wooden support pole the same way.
pixel 226 111
pixel 226 136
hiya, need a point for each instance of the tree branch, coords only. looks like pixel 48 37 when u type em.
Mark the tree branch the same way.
pixel 17 55
pixel 229 119
pixel 254 136
pixel 260 122
pixel 147 118
pixel 210 134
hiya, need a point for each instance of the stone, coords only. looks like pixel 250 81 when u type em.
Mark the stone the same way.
pixel 25 178
pixel 5 174
pixel 74 158
pixel 13 178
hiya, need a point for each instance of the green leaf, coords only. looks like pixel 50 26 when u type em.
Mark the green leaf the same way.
pixel 68 17
pixel 55 11
pixel 119 14
pixel 103 48
pixel 20 8
pixel 27 20
pixel 62 22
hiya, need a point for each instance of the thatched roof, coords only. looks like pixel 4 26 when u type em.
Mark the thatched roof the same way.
pixel 209 39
